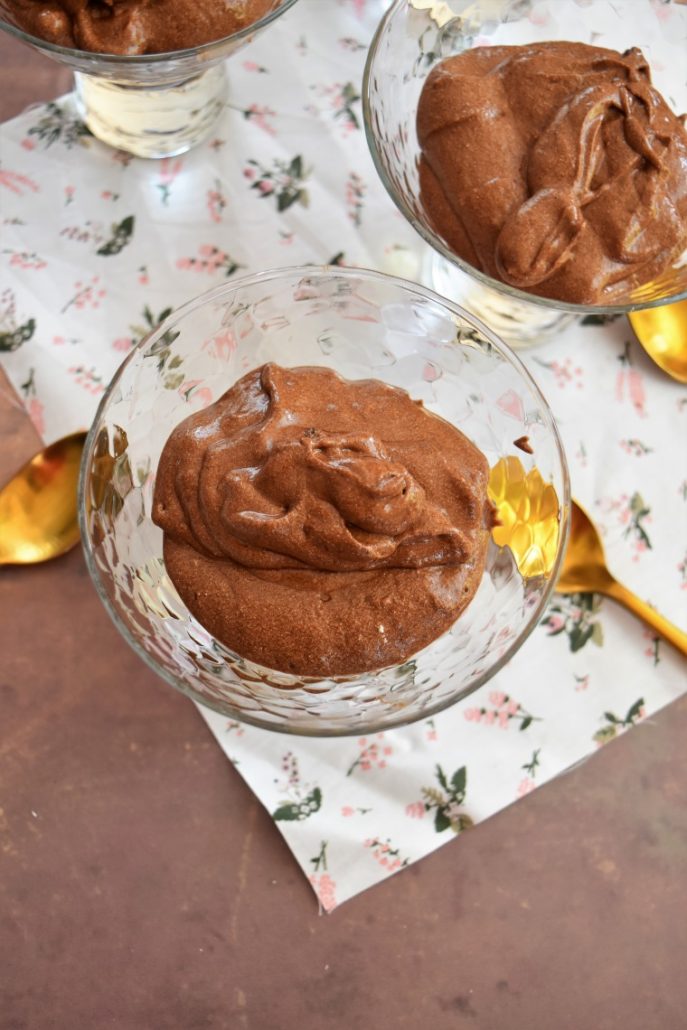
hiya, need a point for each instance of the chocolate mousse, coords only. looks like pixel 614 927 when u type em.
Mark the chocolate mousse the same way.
pixel 554 167
pixel 321 526
pixel 134 26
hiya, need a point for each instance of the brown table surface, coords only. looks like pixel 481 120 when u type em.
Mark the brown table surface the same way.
pixel 143 886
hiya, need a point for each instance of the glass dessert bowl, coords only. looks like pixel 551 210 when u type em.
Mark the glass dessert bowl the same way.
pixel 363 325
pixel 416 35
pixel 151 105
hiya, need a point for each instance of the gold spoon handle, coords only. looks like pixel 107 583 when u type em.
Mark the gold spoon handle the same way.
pixel 644 611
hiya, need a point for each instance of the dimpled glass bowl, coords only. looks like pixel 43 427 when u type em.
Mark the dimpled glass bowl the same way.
pixel 151 105
pixel 362 324
pixel 415 35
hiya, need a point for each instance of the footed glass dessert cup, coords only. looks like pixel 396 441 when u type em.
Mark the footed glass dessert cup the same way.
pixel 363 325
pixel 415 35
pixel 150 105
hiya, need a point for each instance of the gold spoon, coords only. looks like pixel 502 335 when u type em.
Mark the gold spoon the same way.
pixel 662 333
pixel 528 523
pixel 38 509
pixel 584 570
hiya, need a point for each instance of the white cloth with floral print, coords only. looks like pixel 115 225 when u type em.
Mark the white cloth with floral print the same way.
pixel 97 246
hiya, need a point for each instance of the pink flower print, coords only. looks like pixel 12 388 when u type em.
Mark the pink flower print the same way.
pixel 631 378
pixel 253 66
pixel 525 786
pixel 87 295
pixel 191 389
pixel 388 858
pixel 347 811
pixel 506 708
pixel 581 682
pixel 17 183
pixel 27 261
pixel 259 114
pixel 211 259
pixel 371 753
pixel 564 374
pixel 325 889
pixel 216 202
pixel 169 170
pixel 555 624
pixel 249 173
pixel 431 372
pixel 28 144
pixel 87 378
pixel 69 192
pixel 266 187
pixel 221 346
pixel 356 189
pixel 35 410
pixel 636 391
pixel 123 344
pixel 416 810
pixel 538 17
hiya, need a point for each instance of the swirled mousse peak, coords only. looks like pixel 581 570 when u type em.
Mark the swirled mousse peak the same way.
pixel 555 167
pixel 302 512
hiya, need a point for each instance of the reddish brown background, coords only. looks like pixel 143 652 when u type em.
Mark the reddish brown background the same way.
pixel 143 887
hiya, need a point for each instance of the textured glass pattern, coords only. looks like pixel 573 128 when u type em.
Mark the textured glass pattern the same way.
pixel 363 325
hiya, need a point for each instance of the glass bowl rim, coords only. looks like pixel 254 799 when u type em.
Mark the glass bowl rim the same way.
pixel 140 60
pixel 295 272
pixel 435 241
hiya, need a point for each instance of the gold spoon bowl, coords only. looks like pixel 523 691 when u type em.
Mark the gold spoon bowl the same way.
pixel 528 523
pixel 585 571
pixel 38 507
pixel 662 333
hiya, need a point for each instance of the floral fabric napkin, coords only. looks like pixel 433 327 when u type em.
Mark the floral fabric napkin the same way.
pixel 97 247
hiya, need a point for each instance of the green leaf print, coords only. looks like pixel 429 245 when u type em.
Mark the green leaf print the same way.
pixel 287 812
pixel 633 713
pixel 297 811
pixel 447 802
pixel 579 635
pixel 615 725
pixel 576 615
pixel 441 821
pixel 121 236
pixel 56 124
pixel 441 777
pixel 296 167
pixel 13 339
